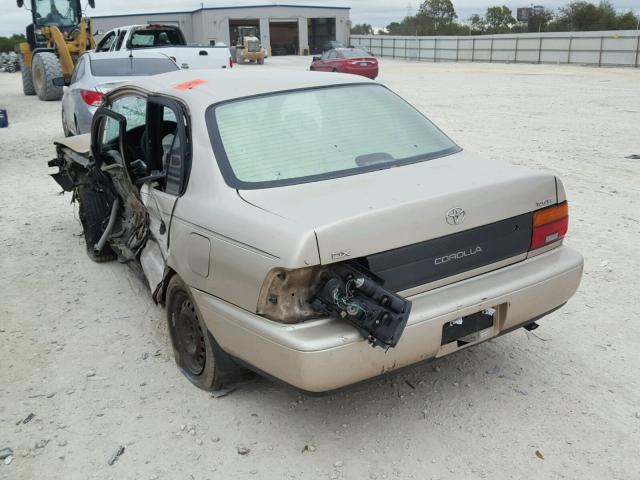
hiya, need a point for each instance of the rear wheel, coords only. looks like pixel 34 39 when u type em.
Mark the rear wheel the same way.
pixel 46 67
pixel 196 352
pixel 27 79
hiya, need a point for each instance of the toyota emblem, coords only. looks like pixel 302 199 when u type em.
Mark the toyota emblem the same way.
pixel 455 216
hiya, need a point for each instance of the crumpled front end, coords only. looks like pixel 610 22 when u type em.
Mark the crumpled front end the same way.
pixel 114 220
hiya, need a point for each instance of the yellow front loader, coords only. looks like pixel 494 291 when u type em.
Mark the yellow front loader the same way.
pixel 57 36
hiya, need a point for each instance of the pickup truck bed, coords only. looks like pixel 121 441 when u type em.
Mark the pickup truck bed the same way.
pixel 169 40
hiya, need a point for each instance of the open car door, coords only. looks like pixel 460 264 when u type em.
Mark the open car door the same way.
pixel 168 154
pixel 111 203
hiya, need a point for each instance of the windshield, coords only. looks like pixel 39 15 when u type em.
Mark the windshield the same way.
pixel 56 12
pixel 354 53
pixel 320 133
pixel 131 67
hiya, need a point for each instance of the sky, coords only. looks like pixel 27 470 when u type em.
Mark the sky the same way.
pixel 378 13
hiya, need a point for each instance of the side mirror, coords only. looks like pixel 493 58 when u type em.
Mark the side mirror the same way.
pixel 315 59
pixel 20 3
pixel 92 3
pixel 58 81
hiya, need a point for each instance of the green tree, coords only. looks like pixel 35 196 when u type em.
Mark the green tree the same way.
pixel 578 15
pixel 499 19
pixel 628 21
pixel 362 29
pixel 538 21
pixel 8 44
pixel 478 24
pixel 441 13
pixel 393 29
pixel 413 25
pixel 608 18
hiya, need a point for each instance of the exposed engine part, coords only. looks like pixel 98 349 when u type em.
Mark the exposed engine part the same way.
pixel 107 231
pixel 356 295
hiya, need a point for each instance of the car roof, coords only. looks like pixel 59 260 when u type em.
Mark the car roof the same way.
pixel 141 53
pixel 201 88
pixel 145 25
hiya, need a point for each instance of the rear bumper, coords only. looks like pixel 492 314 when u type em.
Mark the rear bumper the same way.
pixel 326 354
pixel 370 72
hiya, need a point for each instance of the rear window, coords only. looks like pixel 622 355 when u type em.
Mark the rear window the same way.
pixel 320 133
pixel 131 67
pixel 156 38
pixel 354 53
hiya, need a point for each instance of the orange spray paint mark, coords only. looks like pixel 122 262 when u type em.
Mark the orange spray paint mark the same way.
pixel 190 84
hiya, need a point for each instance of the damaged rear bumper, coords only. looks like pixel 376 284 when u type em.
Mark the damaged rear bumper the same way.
pixel 322 355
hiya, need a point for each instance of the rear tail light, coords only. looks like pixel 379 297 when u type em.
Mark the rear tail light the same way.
pixel 345 291
pixel 549 225
pixel 230 62
pixel 92 97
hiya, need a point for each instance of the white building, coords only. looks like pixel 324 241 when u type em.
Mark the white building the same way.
pixel 296 28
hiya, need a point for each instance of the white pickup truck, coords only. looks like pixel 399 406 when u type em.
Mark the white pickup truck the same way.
pixel 169 40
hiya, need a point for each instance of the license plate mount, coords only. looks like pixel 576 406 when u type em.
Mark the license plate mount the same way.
pixel 465 330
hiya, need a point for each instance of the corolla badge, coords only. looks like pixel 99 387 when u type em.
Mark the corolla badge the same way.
pixel 455 216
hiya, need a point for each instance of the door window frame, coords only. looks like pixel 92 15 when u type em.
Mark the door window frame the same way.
pixel 182 132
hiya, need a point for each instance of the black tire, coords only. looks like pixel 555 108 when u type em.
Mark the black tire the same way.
pixel 27 79
pixel 196 352
pixel 94 215
pixel 261 61
pixel 46 67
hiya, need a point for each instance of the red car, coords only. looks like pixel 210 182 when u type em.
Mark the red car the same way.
pixel 346 60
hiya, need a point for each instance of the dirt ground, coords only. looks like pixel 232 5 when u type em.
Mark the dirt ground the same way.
pixel 86 351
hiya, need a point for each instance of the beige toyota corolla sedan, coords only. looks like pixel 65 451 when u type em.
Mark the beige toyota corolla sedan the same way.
pixel 315 228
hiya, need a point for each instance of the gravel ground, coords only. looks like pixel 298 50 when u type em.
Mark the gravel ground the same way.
pixel 86 351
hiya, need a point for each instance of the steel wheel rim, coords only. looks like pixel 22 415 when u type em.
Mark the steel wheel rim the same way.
pixel 189 337
pixel 37 78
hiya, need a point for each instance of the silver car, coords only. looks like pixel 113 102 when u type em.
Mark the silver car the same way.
pixel 316 228
pixel 97 73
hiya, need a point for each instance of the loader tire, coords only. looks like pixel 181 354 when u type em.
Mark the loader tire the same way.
pixel 27 79
pixel 94 214
pixel 46 67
